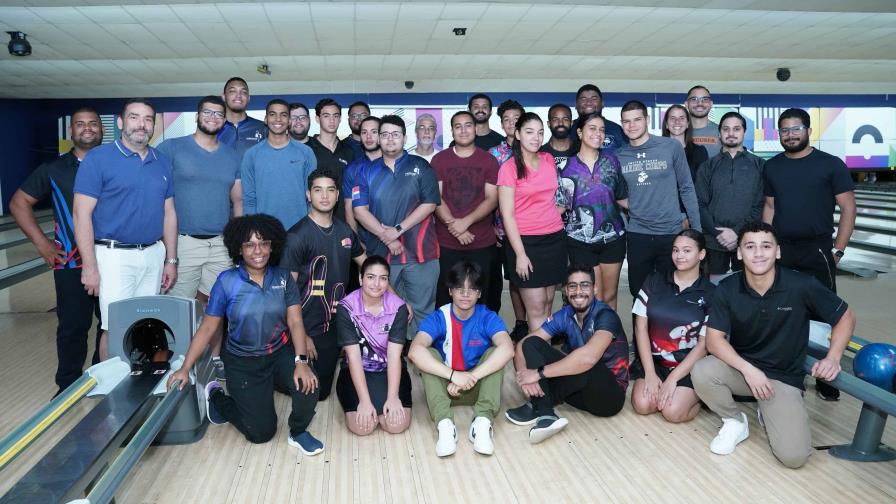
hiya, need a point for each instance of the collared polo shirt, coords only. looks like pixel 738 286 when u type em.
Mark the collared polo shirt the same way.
pixel 392 196
pixel 599 317
pixel 771 331
pixel 256 314
pixel 130 192
pixel 355 145
pixel 243 135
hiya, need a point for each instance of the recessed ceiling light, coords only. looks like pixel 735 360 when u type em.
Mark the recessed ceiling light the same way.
pixel 460 31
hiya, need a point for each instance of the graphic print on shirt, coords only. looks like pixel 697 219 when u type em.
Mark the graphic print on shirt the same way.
pixel 315 291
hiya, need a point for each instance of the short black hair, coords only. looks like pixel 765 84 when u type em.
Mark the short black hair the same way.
pixel 275 101
pixel 589 87
pixel 237 79
pixel 559 106
pixel 464 272
pixel 142 101
pixel 460 113
pixel 360 103
pixel 479 96
pixel 756 227
pixel 634 105
pixel 213 99
pixel 729 115
pixel 297 105
pixel 240 230
pixel 579 268
pixel 795 113
pixel 322 173
pixel 326 102
pixel 375 119
pixel 508 105
pixel 394 120
pixel 699 86
pixel 373 260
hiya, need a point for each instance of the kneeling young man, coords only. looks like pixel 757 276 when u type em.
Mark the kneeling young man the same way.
pixel 590 374
pixel 764 311
pixel 461 350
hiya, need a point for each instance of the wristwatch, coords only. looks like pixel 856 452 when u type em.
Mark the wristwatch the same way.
pixel 399 228
pixel 172 260
pixel 837 252
pixel 541 373
pixel 302 358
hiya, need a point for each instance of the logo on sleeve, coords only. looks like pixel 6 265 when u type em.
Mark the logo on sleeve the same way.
pixel 356 193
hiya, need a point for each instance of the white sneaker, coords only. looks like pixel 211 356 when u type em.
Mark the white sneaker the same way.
pixel 481 436
pixel 733 431
pixel 447 443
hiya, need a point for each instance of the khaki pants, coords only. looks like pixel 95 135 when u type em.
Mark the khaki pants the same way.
pixel 485 397
pixel 785 417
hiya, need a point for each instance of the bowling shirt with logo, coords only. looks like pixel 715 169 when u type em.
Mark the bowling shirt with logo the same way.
pixel 256 314
pixel 243 135
pixel 321 256
pixel 461 343
pixel 771 331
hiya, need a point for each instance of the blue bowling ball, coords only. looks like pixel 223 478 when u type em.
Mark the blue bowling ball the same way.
pixel 876 363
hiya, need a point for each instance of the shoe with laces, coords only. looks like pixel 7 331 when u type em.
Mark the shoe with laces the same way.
pixel 481 436
pixel 447 443
pixel 733 431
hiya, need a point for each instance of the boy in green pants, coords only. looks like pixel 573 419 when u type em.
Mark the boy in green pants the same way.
pixel 461 350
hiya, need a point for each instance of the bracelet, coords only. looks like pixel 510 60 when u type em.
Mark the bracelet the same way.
pixel 451 376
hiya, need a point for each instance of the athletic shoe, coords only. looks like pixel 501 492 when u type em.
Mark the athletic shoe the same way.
pixel 520 330
pixel 522 415
pixel 733 431
pixel 481 436
pixel 545 427
pixel 214 416
pixel 307 443
pixel 826 392
pixel 218 369
pixel 447 443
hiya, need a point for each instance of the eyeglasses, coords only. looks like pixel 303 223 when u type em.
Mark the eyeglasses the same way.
pixel 300 118
pixel 700 99
pixel 358 116
pixel 395 135
pixel 581 286
pixel 211 113
pixel 259 245
pixel 795 130
pixel 465 291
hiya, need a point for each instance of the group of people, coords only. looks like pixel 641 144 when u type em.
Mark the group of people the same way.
pixel 313 248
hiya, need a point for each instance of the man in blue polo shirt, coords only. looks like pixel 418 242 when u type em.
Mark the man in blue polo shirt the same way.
pixel 240 131
pixel 125 222
pixel 395 198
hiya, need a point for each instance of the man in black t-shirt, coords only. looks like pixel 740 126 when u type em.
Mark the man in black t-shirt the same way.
pixel 562 144
pixel 801 186
pixel 764 312
pixel 318 252
pixel 480 106
pixel 74 307
pixel 331 153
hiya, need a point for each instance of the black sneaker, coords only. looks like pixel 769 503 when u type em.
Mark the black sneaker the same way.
pixel 520 331
pixel 545 427
pixel 215 417
pixel 826 392
pixel 522 415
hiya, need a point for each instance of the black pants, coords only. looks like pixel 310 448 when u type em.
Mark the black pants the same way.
pixel 646 254
pixel 74 311
pixel 595 391
pixel 250 405
pixel 327 356
pixel 812 257
pixel 486 258
pixel 496 281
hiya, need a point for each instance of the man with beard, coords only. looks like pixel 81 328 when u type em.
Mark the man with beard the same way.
pixel 357 112
pixel 468 178
pixel 590 99
pixel 703 131
pixel 332 155
pixel 730 195
pixel 369 129
pixel 75 308
pixel 240 131
pixel 480 106
pixel 274 173
pixel 561 144
pixel 426 137
pixel 590 373
pixel 299 122
pixel 802 184
pixel 207 183
pixel 124 215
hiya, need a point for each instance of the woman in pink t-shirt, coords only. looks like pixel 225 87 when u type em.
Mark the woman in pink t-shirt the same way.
pixel 527 183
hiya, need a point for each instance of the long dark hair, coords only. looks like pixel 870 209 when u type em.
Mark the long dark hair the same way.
pixel 583 120
pixel 700 240
pixel 517 149
pixel 688 132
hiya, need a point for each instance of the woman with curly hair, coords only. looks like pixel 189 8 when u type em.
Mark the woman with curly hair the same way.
pixel 262 305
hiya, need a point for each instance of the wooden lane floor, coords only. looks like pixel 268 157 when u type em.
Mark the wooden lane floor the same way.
pixel 627 458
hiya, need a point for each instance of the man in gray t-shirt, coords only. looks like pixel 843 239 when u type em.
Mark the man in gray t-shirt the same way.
pixel 207 180
pixel 703 131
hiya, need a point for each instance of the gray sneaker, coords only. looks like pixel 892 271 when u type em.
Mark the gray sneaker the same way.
pixel 522 415
pixel 545 427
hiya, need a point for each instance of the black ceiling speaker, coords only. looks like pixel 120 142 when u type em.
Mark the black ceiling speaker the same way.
pixel 18 45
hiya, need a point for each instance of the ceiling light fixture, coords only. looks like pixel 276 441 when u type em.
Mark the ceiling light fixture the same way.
pixel 263 69
pixel 460 31
pixel 18 45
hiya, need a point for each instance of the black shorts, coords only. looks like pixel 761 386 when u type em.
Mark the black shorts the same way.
pixel 636 371
pixel 593 254
pixel 720 261
pixel 547 253
pixel 377 387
